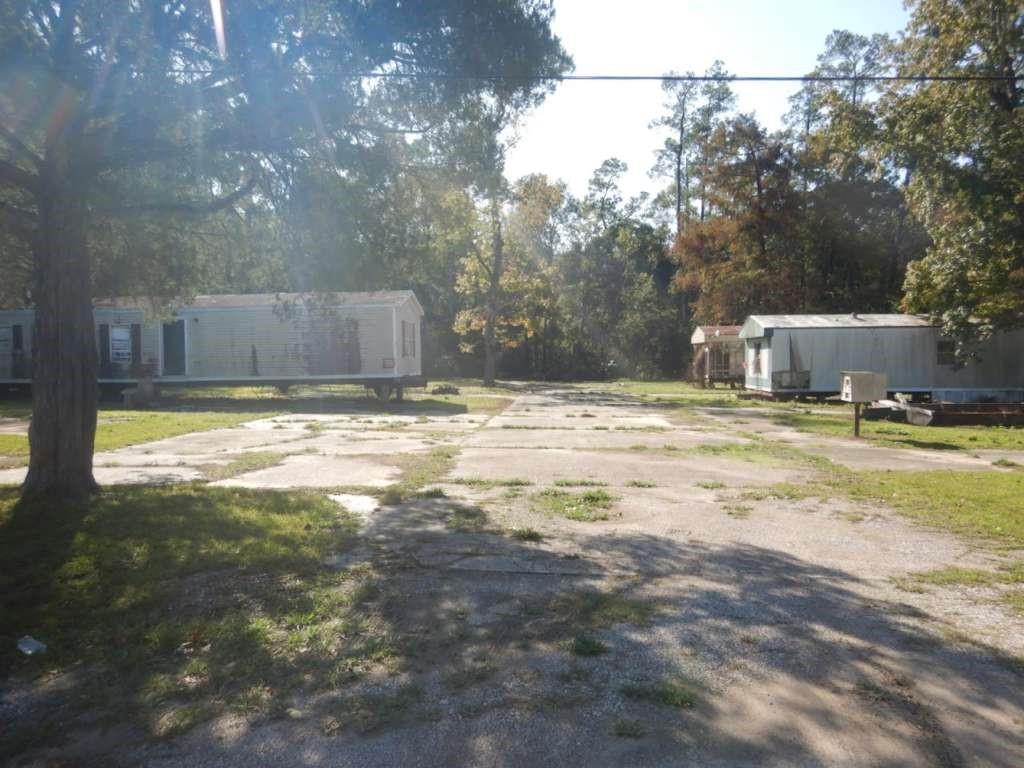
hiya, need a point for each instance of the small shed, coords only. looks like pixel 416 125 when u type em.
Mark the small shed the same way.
pixel 804 354
pixel 717 354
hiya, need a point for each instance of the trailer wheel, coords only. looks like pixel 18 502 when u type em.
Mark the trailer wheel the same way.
pixel 399 393
pixel 383 392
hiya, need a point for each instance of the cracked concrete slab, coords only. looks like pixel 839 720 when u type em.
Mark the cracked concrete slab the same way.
pixel 313 471
pixel 617 469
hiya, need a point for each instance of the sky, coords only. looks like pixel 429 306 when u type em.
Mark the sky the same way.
pixel 583 123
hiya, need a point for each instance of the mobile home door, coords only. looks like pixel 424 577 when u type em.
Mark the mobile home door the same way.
pixel 174 348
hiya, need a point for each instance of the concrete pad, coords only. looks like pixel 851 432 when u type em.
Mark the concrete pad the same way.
pixel 311 471
pixel 13 427
pixel 856 454
pixel 145 475
pixel 554 420
pixel 381 444
pixel 616 469
pixel 215 441
pixel 120 475
pixel 129 458
pixel 15 476
pixel 611 439
pixel 357 504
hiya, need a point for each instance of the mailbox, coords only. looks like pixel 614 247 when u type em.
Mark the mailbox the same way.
pixel 863 386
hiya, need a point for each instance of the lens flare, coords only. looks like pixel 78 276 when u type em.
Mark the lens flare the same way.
pixel 218 26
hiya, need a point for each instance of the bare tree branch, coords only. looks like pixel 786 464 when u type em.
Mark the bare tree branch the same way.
pixel 18 221
pixel 190 208
pixel 16 176
pixel 19 146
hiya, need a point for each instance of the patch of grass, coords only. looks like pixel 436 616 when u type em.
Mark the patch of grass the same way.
pixel 908 435
pixel 463 518
pixel 116 429
pixel 587 506
pixel 432 493
pixel 526 534
pixel 13 445
pixel 370 712
pixel 1014 600
pixel 983 504
pixel 16 409
pixel 419 470
pixel 585 645
pixel 760 451
pixel 670 692
pixel 739 511
pixel 178 720
pixel 391 497
pixel 1006 464
pixel 467 675
pixel 641 484
pixel 191 600
pixel 628 728
pixel 580 482
pixel 1010 573
pixel 245 462
pixel 480 482
pixel 710 485
pixel 599 610
pixel 791 491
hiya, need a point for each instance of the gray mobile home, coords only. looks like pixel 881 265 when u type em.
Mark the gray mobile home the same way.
pixel 370 338
pixel 803 354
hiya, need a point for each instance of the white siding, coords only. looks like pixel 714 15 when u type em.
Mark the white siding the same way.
pixel 411 355
pixel 908 356
pixel 221 343
pixel 355 340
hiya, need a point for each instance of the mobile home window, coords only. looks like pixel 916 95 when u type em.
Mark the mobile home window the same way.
pixel 757 357
pixel 120 343
pixel 408 339
pixel 945 352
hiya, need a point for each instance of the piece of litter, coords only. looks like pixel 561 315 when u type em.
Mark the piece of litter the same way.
pixel 30 646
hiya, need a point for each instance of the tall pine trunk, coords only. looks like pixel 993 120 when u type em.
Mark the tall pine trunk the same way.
pixel 64 363
pixel 493 295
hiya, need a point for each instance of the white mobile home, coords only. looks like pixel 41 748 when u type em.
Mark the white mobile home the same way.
pixel 803 354
pixel 370 338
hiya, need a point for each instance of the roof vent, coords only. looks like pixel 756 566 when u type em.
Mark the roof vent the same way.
pixel 853 316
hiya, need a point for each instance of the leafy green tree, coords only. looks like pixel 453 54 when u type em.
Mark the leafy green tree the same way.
pixel 105 103
pixel 962 145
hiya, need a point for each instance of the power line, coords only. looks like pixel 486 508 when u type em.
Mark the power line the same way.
pixel 700 78
pixel 443 76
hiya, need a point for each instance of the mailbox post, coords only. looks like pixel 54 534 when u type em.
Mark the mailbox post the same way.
pixel 862 387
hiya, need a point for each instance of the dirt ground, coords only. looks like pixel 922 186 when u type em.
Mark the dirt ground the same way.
pixel 781 619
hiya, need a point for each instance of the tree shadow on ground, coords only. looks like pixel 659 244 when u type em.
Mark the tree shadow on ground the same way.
pixel 788 660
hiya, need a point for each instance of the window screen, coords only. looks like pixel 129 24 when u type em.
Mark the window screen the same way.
pixel 945 353
pixel 120 343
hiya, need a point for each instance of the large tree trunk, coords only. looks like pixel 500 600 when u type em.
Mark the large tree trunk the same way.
pixel 493 296
pixel 64 364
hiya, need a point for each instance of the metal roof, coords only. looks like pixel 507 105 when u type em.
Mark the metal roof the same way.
pixel 242 300
pixel 854 320
pixel 702 333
